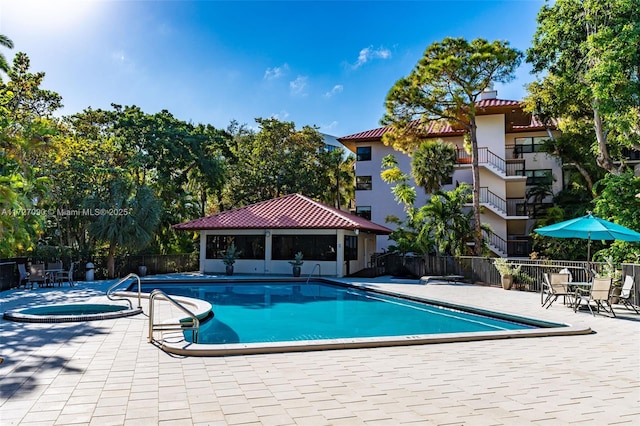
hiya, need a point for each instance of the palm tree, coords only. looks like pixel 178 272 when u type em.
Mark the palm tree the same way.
pixel 6 42
pixel 433 164
pixel 445 221
pixel 342 176
pixel 126 216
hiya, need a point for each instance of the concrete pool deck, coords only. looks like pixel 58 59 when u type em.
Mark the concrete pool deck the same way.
pixel 105 372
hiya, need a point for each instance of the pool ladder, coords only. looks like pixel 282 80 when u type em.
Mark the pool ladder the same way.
pixel 314 268
pixel 193 323
pixel 120 281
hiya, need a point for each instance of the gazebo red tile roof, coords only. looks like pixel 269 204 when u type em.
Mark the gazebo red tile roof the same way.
pixel 292 211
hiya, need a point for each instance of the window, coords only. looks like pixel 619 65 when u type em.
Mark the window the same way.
pixel 364 211
pixel 363 183
pixel 250 246
pixel 533 210
pixel 527 145
pixel 363 153
pixel 537 177
pixel 313 247
pixel 350 247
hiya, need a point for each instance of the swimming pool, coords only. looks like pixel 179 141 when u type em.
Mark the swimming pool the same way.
pixel 324 314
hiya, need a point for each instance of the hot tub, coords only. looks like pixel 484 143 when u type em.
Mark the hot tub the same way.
pixel 70 313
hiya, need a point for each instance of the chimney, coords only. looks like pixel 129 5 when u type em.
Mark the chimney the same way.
pixel 489 93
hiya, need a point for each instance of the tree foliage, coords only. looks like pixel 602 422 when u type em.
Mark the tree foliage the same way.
pixel 341 176
pixel 444 87
pixel 588 53
pixel 278 160
pixel 618 202
pixel 432 164
pixel 26 129
pixel 442 225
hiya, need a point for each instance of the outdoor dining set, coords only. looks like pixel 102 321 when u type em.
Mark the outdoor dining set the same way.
pixel 46 275
pixel 597 292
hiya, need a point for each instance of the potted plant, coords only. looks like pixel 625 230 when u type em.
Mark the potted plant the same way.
pixel 297 263
pixel 229 258
pixel 507 271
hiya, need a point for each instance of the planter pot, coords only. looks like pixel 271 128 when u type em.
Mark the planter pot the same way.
pixel 296 271
pixel 507 282
pixel 229 269
pixel 142 270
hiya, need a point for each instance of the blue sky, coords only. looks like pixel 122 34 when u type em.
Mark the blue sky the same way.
pixel 323 63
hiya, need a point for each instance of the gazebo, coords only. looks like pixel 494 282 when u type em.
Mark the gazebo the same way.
pixel 270 233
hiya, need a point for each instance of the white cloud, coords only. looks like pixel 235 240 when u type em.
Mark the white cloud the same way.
pixel 369 53
pixel 282 115
pixel 299 85
pixel 276 72
pixel 327 128
pixel 336 89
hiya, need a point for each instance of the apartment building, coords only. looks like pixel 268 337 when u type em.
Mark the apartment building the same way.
pixel 512 166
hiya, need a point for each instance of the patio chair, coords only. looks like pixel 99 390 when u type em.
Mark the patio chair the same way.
pixel 65 276
pixel 38 275
pixel 599 293
pixel 557 285
pixel 23 278
pixel 626 294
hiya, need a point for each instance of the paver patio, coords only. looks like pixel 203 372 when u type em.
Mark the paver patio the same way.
pixel 105 372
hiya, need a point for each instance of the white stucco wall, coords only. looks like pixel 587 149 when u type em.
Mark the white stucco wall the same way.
pixel 490 133
pixel 380 198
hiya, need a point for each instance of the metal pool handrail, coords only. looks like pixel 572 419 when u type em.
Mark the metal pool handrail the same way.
pixel 195 322
pixel 120 281
pixel 314 268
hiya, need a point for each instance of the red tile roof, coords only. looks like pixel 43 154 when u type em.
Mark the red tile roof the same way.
pixel 488 103
pixel 292 211
pixel 435 128
pixel 441 129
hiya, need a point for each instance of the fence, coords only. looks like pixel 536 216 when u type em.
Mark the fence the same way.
pixel 155 264
pixel 480 270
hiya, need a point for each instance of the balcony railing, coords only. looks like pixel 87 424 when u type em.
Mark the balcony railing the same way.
pixel 495 241
pixel 513 167
pixel 510 207
pixel 514 247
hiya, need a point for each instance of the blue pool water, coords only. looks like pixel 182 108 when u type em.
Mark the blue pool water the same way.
pixel 273 312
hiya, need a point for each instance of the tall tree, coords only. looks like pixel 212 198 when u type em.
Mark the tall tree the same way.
pixel 341 188
pixel 277 160
pixel 445 86
pixel 25 132
pixel 588 52
pixel 126 216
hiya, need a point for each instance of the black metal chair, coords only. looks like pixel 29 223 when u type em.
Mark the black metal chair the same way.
pixel 65 276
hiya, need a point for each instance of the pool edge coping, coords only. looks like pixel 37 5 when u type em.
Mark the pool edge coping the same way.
pixel 176 344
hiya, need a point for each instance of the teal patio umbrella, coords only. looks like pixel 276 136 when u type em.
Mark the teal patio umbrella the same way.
pixel 589 227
